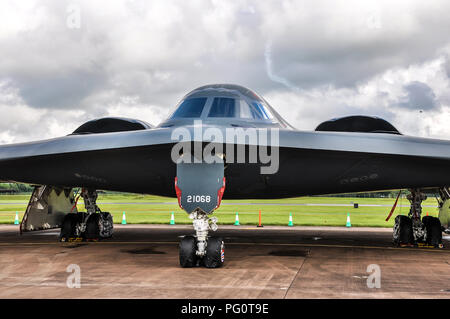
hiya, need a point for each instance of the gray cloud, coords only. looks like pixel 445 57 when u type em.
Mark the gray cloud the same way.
pixel 330 46
pixel 446 64
pixel 140 57
pixel 419 96
pixel 60 91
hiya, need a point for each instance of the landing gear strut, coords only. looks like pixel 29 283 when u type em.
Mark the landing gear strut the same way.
pixel 411 230
pixel 91 225
pixel 415 212
pixel 202 225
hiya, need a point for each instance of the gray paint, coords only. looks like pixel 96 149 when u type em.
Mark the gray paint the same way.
pixel 335 141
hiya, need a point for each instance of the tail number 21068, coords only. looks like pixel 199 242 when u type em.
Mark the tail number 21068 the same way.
pixel 198 198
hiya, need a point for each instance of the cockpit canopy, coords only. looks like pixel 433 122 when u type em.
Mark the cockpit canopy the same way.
pixel 224 104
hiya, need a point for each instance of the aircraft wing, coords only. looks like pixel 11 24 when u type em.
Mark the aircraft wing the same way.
pixel 140 161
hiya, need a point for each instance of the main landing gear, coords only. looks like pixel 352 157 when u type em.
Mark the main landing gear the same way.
pixel 411 230
pixel 91 225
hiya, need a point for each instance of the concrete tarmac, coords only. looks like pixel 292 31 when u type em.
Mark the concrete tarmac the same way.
pixel 141 261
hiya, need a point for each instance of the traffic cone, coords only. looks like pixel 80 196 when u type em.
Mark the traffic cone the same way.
pixel 290 220
pixel 348 221
pixel 16 220
pixel 259 221
pixel 172 219
pixel 236 223
pixel 124 219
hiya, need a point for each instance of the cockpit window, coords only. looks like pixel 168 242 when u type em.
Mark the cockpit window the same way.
pixel 245 111
pixel 190 108
pixel 223 107
pixel 239 108
pixel 260 112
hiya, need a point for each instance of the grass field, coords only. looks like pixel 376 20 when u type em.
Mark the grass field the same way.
pixel 146 209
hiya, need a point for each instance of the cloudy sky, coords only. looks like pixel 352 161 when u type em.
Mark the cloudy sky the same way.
pixel 65 62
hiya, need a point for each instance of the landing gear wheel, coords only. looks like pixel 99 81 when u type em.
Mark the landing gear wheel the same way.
pixel 106 225
pixel 188 248
pixel 92 227
pixel 215 253
pixel 68 228
pixel 403 231
pixel 434 230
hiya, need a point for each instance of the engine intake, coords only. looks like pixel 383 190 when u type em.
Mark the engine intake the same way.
pixel 111 124
pixel 358 123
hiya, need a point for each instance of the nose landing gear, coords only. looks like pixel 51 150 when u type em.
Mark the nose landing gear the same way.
pixel 201 249
pixel 199 188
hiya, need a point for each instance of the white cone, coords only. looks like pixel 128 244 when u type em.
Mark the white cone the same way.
pixel 348 224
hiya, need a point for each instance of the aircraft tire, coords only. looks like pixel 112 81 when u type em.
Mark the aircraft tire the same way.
pixel 68 226
pixel 403 232
pixel 106 225
pixel 215 253
pixel 187 251
pixel 433 229
pixel 92 227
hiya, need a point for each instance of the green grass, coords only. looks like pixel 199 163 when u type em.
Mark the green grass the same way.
pixel 160 211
